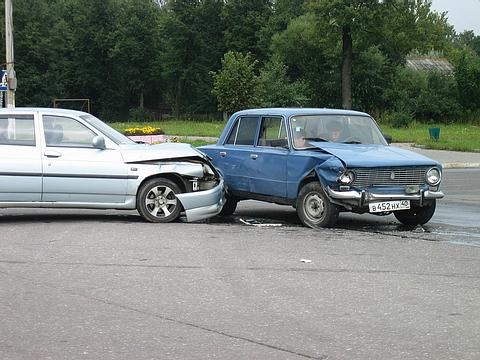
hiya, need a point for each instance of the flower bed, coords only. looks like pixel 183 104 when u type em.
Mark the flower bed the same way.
pixel 146 130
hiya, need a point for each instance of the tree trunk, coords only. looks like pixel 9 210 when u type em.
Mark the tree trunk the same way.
pixel 347 54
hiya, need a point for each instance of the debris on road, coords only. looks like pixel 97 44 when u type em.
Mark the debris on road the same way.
pixel 254 222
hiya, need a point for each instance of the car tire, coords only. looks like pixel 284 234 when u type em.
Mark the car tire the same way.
pixel 314 208
pixel 416 215
pixel 229 207
pixel 157 201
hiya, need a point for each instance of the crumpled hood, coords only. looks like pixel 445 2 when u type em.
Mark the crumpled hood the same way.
pixel 164 151
pixel 363 155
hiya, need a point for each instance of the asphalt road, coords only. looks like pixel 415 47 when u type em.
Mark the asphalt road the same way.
pixel 105 285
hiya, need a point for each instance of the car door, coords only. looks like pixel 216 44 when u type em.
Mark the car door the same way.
pixel 76 172
pixel 267 163
pixel 234 157
pixel 20 159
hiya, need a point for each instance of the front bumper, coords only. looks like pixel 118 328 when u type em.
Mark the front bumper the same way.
pixel 200 205
pixel 364 197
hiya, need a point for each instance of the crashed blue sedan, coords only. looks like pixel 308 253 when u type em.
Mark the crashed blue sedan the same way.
pixel 323 162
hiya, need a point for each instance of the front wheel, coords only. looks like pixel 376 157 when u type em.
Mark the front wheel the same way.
pixel 157 201
pixel 416 215
pixel 314 208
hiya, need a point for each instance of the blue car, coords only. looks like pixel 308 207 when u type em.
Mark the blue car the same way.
pixel 323 162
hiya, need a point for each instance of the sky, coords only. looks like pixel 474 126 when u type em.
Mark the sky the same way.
pixel 462 14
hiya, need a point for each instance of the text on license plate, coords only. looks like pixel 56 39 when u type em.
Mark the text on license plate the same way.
pixel 389 206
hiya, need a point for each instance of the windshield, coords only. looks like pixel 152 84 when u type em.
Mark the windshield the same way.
pixel 111 133
pixel 347 129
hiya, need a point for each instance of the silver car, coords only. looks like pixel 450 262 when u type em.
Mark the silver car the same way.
pixel 60 158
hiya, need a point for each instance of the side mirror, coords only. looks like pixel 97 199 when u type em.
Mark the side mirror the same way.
pixel 388 138
pixel 99 142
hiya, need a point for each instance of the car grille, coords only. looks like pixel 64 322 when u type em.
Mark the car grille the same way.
pixel 389 176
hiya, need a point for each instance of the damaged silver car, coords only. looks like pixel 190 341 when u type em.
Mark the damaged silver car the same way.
pixel 60 158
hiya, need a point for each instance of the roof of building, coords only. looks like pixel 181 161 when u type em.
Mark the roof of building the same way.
pixel 437 64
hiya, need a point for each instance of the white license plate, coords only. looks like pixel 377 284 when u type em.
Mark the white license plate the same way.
pixel 389 206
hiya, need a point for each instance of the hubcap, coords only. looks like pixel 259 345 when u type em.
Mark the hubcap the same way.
pixel 314 206
pixel 161 201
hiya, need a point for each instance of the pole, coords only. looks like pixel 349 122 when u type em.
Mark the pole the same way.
pixel 11 79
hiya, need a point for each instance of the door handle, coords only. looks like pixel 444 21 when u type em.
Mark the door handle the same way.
pixel 52 154
pixel 253 156
pixel 223 153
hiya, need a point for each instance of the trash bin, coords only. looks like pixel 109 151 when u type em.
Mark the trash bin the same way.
pixel 434 133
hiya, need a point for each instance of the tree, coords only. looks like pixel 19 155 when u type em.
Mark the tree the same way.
pixel 235 84
pixel 344 16
pixel 276 90
pixel 309 58
pixel 42 48
pixel 396 27
pixel 135 51
pixel 468 38
pixel 467 75
pixel 423 94
pixel 192 46
pixel 92 29
pixel 243 21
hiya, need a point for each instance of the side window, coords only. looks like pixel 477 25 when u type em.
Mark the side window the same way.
pixel 17 130
pixel 273 132
pixel 244 132
pixel 64 131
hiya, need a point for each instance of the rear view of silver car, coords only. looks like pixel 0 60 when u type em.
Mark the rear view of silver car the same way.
pixel 70 159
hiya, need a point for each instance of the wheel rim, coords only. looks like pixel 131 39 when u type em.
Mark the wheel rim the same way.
pixel 314 207
pixel 161 201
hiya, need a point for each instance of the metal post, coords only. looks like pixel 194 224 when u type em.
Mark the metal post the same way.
pixel 11 79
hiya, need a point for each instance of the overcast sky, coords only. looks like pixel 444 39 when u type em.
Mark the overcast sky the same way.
pixel 462 14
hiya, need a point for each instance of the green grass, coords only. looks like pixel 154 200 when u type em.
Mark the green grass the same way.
pixel 458 137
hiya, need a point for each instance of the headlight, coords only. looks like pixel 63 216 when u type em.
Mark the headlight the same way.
pixel 346 178
pixel 433 176
pixel 207 170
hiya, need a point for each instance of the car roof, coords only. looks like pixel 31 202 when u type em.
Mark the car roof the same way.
pixel 287 112
pixel 23 110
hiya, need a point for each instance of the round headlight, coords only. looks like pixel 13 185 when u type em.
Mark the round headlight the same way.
pixel 434 176
pixel 346 178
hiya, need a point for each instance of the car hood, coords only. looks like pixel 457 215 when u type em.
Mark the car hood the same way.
pixel 164 151
pixel 362 155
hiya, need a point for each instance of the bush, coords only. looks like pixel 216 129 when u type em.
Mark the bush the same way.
pixel 399 120
pixel 138 114
pixel 427 95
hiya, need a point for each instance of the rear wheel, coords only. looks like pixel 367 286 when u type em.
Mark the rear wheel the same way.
pixel 314 208
pixel 157 201
pixel 416 215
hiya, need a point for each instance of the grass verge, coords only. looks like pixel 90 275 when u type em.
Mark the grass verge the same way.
pixel 456 137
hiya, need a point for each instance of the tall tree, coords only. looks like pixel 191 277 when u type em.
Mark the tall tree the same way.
pixel 398 26
pixel 235 84
pixel 42 46
pixel 135 50
pixel 92 26
pixel 244 20
pixel 192 45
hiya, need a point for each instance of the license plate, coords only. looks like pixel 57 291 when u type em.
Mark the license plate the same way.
pixel 389 206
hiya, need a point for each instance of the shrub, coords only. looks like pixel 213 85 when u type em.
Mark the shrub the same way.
pixel 399 120
pixel 138 114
